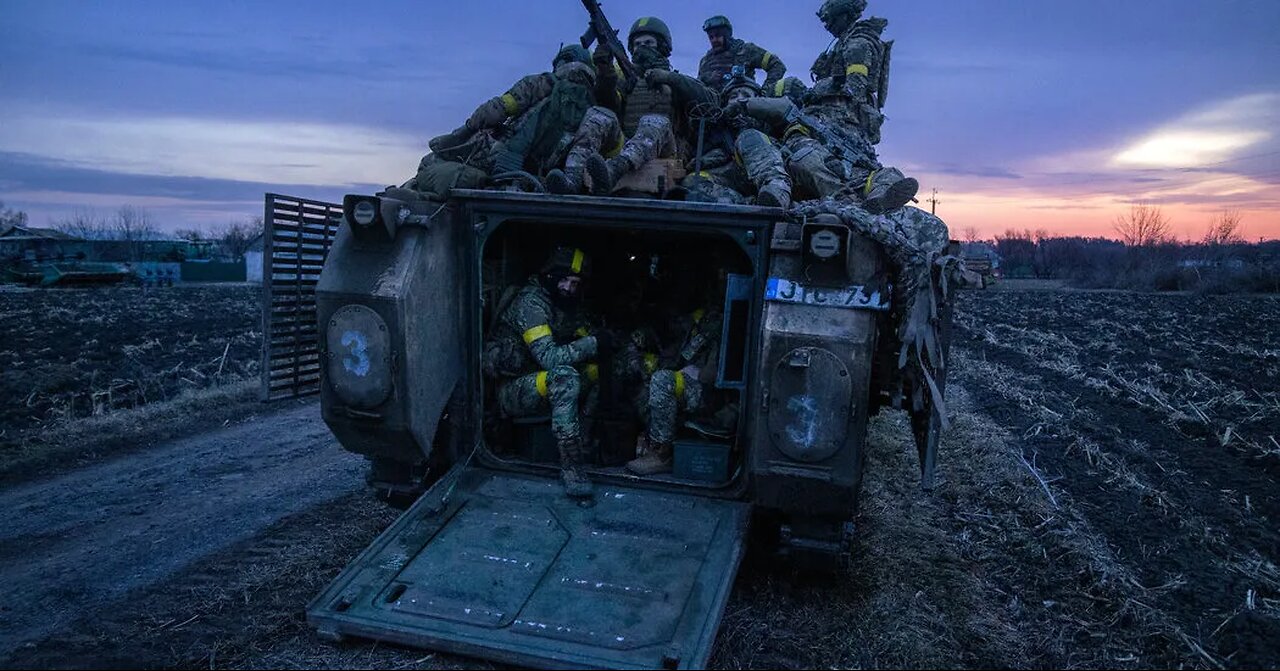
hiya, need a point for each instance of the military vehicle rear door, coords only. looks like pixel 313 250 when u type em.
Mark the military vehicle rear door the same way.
pixel 506 567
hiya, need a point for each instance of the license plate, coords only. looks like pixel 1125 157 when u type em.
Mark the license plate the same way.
pixel 856 297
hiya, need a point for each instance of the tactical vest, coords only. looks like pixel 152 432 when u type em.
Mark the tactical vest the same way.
pixel 716 64
pixel 644 100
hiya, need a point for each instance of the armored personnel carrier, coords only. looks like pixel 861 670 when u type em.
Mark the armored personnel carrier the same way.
pixel 492 559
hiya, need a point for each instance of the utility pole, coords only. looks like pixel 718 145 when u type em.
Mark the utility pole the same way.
pixel 933 203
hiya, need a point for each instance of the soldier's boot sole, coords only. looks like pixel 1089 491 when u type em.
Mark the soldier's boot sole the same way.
pixel 602 176
pixel 897 195
pixel 559 182
pixel 774 195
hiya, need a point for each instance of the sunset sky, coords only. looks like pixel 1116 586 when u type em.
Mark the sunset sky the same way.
pixel 1021 113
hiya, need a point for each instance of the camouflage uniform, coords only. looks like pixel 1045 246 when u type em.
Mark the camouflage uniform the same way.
pixel 757 163
pixel 653 112
pixel 717 64
pixel 816 172
pixel 673 392
pixel 505 132
pixel 853 64
pixel 539 355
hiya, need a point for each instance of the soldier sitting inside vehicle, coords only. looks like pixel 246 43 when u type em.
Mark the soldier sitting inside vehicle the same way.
pixel 681 386
pixel 534 353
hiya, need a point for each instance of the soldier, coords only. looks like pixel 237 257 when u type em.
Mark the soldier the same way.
pixel 851 76
pixel 815 170
pixel 528 127
pixel 757 163
pixel 717 64
pixel 653 113
pixel 683 389
pixel 535 351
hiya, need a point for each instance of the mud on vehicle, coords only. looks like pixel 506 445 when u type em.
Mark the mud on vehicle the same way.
pixel 493 560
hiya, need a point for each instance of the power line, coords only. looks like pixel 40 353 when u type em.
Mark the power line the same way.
pixel 933 203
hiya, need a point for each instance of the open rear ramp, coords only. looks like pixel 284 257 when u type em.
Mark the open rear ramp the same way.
pixel 510 569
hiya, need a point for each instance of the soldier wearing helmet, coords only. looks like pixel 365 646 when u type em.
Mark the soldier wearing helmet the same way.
pixel 852 75
pixel 757 164
pixel 535 352
pixel 526 128
pixel 653 112
pixel 815 170
pixel 727 51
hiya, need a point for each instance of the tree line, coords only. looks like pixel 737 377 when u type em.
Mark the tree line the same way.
pixel 1146 256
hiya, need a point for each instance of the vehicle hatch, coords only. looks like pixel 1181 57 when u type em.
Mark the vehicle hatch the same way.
pixel 504 566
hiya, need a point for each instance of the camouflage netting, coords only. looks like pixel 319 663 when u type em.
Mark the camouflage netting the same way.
pixel 923 277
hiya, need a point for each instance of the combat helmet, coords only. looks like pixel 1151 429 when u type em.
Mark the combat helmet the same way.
pixel 572 52
pixel 573 62
pixel 738 79
pixel 718 21
pixel 567 261
pixel 839 15
pixel 653 26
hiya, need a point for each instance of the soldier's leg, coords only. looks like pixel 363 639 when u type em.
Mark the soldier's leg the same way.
pixel 436 176
pixel 670 392
pixel 654 138
pixel 884 190
pixel 522 396
pixel 762 161
pixel 599 133
pixel 814 172
pixel 716 186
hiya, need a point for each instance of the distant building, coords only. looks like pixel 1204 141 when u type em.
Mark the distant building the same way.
pixel 253 260
pixel 20 242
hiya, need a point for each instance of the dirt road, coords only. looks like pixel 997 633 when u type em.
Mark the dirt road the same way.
pixel 74 544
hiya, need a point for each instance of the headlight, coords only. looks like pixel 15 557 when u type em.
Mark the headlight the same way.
pixel 364 213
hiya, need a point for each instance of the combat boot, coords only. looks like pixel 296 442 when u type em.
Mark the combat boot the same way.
pixel 605 173
pixel 576 484
pixel 453 138
pixel 657 460
pixel 774 194
pixel 565 182
pixel 888 191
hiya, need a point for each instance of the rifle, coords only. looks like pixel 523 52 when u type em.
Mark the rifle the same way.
pixel 852 147
pixel 598 29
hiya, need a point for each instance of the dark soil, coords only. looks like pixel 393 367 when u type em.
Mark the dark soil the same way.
pixel 1093 511
pixel 73 353
pixel 1156 416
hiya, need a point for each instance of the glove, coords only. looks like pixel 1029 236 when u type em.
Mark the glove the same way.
pixel 603 58
pixel 453 138
pixel 655 78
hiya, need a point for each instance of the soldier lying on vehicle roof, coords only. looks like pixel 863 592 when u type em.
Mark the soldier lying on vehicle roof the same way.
pixel 528 128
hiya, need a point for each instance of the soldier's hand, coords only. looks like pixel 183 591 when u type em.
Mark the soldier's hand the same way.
pixel 655 78
pixel 602 57
pixel 735 108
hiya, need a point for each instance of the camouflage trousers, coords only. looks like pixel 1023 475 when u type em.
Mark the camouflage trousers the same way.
pixel 757 162
pixel 670 393
pixel 437 175
pixel 599 133
pixel 654 138
pixel 560 391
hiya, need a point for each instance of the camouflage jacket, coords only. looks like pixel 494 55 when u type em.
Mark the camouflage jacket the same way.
pixel 858 56
pixel 700 342
pixel 684 91
pixel 532 334
pixel 715 65
pixel 518 99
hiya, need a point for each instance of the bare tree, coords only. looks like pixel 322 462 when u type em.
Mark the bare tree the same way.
pixel 1143 226
pixel 235 237
pixel 191 234
pixel 84 223
pixel 11 217
pixel 970 233
pixel 133 224
pixel 1224 229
